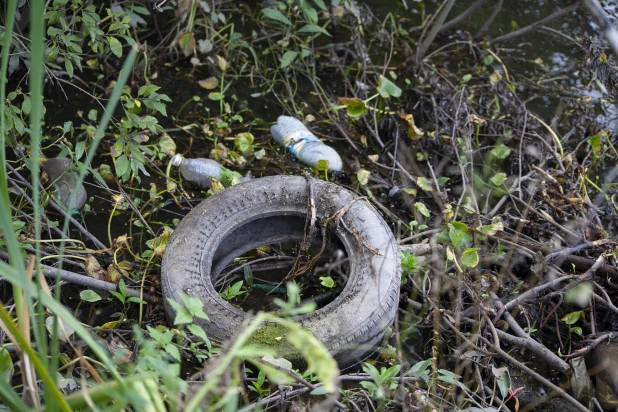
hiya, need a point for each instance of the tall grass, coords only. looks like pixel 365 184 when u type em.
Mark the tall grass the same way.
pixel 28 289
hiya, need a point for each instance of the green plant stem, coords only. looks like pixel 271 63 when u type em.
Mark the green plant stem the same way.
pixel 141 293
pixel 109 226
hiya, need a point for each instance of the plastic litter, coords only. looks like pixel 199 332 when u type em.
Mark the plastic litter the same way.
pixel 304 145
pixel 63 182
pixel 199 171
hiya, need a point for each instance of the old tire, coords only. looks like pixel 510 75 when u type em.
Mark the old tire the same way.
pixel 270 210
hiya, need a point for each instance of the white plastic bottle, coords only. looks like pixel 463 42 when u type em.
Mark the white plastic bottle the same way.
pixel 293 134
pixel 199 171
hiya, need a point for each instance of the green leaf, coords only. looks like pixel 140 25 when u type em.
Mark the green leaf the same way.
pixel 422 208
pixel 320 390
pixel 470 257
pixel 197 331
pixel 466 78
pixel 147 90
pixel 26 105
pixel 186 41
pixel 387 89
pixel 244 142
pixel 195 306
pixel 89 296
pixel 115 46
pixel 288 58
pixel 327 281
pixel 313 28
pixel 447 376
pixel 487 60
pixel 373 372
pixel 572 317
pixel 391 373
pixel 216 96
pixel 122 165
pixel 69 67
pixel 6 366
pixel 356 107
pixel 442 180
pixel 424 184
pixel 259 155
pixel 117 149
pixel 80 147
pixel 363 176
pixel 276 15
pixel 167 145
pixel 459 234
pixel 320 4
pixel 501 151
pixel 182 314
pixel 502 379
pixel 420 369
pixel 492 229
pixel 92 115
pixel 498 179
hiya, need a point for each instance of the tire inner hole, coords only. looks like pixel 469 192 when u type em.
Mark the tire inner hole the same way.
pixel 252 261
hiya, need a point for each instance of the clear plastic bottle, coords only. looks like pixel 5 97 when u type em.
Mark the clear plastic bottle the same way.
pixel 199 171
pixel 293 134
pixel 63 183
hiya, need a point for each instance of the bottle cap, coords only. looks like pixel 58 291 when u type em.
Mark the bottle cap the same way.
pixel 177 160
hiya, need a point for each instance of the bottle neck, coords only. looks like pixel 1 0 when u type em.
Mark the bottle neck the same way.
pixel 296 141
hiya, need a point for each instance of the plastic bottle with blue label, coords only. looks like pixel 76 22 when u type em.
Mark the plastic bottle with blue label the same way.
pixel 304 145
pixel 198 171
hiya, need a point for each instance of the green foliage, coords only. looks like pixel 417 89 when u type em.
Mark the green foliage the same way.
pixel 193 308
pixel 258 386
pixel 327 282
pixel 130 149
pixel 387 89
pixel 233 291
pixel 409 264
pixel 122 294
pixel 89 296
pixel 70 24
pixel 421 370
pixel 383 381
pixel 291 308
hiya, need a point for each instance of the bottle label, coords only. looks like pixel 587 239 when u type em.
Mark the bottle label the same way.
pixel 297 140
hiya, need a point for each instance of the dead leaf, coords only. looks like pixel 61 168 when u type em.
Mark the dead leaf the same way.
pixel 115 272
pixel 209 83
pixel 413 131
pixel 93 268
pixel 476 120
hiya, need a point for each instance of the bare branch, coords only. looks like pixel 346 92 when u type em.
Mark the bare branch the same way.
pixel 452 23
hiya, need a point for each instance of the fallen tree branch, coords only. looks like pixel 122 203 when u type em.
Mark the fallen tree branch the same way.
pixel 86 281
pixel 526 341
pixel 557 390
